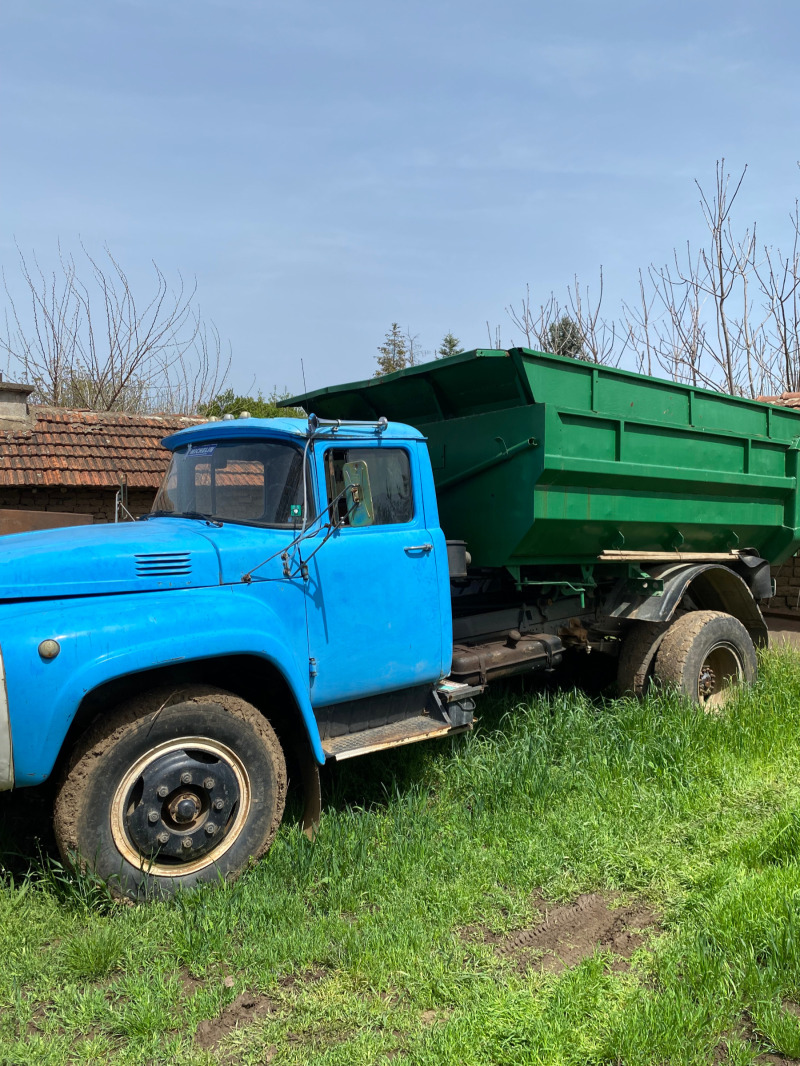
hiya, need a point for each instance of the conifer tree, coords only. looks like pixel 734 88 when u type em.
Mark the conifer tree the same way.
pixel 449 346
pixel 566 338
pixel 393 353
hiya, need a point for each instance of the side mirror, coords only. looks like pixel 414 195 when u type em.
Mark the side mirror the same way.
pixel 358 494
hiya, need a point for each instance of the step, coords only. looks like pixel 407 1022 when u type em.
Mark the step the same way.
pixel 394 735
pixel 451 691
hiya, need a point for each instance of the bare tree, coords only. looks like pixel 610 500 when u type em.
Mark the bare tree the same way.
pixel 535 323
pixel 779 281
pixel 599 335
pixel 696 319
pixel 725 317
pixel 87 341
pixel 542 326
pixel 495 341
pixel 416 354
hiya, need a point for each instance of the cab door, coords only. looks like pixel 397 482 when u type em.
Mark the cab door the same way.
pixel 373 597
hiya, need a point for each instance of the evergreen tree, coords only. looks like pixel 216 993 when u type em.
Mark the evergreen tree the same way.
pixel 566 338
pixel 394 354
pixel 449 346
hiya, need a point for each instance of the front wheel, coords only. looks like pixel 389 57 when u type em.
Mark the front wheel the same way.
pixel 705 654
pixel 171 790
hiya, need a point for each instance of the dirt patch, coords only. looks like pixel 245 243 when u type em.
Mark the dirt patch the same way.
pixel 38 1021
pixel 572 932
pixel 189 983
pixel 310 976
pixel 245 1009
pixel 431 1017
pixel 744 1032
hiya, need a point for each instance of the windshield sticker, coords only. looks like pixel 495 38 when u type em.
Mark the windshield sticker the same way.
pixel 201 449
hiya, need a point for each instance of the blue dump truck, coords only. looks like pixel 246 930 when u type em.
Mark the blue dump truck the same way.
pixel 293 599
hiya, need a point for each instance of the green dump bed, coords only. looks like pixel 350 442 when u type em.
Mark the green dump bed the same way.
pixel 542 459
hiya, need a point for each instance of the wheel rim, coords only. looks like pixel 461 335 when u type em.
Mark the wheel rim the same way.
pixel 181 806
pixel 722 669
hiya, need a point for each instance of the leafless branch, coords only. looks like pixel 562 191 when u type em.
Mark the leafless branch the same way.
pixel 90 343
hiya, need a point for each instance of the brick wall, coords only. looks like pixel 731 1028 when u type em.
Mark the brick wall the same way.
pixel 97 502
pixel 787 578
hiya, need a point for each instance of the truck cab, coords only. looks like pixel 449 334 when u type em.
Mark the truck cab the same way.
pixel 335 533
pixel 287 600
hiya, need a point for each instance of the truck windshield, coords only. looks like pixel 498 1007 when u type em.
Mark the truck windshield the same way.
pixel 258 482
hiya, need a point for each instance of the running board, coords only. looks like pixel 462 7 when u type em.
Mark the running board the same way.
pixel 394 735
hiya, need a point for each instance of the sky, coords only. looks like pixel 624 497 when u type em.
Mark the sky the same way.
pixel 325 169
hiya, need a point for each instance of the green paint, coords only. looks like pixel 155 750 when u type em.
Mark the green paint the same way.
pixel 544 459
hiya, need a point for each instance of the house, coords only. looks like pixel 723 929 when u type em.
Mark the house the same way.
pixel 65 467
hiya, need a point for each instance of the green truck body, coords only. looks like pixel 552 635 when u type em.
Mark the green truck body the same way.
pixel 540 459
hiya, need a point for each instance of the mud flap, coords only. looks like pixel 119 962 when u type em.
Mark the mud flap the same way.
pixel 312 791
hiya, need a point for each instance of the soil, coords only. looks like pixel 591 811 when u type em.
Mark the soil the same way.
pixel 190 984
pixel 575 931
pixel 38 1020
pixel 309 976
pixel 744 1031
pixel 245 1009
pixel 431 1017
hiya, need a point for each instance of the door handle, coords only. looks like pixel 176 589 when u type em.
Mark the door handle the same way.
pixel 419 548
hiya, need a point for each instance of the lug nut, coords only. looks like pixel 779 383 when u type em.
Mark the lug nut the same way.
pixel 186 778
pixel 208 783
pixel 152 817
pixel 218 804
pixel 186 843
pixel 163 838
pixel 211 829
pixel 162 792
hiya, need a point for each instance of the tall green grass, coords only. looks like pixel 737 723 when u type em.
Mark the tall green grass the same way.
pixel 364 938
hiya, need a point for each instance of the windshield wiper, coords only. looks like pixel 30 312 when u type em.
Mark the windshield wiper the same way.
pixel 199 515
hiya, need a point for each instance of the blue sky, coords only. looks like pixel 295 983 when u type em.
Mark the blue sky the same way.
pixel 324 169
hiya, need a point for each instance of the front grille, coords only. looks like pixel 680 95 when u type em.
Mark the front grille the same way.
pixel 164 564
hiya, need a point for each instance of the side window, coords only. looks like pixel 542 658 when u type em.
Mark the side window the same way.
pixel 389 478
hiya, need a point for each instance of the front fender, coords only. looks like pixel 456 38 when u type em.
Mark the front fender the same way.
pixel 106 638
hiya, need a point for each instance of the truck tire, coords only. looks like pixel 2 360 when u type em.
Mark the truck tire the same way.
pixel 638 657
pixel 172 789
pixel 704 655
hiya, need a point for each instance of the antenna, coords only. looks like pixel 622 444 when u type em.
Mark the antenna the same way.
pixel 305 387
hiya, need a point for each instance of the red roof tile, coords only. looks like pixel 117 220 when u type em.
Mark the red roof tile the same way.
pixel 88 449
pixel 786 399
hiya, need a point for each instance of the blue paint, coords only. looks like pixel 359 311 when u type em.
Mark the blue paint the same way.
pixel 122 599
pixel 374 607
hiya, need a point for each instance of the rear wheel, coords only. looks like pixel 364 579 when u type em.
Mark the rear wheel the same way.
pixel 705 654
pixel 637 659
pixel 161 795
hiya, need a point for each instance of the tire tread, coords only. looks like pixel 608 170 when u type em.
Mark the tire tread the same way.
pixel 108 729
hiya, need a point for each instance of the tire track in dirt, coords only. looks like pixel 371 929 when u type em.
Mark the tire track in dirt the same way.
pixel 244 1010
pixel 574 931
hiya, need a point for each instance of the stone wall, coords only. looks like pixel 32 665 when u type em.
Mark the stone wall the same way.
pixel 97 502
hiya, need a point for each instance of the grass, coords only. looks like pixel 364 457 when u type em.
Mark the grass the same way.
pixel 356 943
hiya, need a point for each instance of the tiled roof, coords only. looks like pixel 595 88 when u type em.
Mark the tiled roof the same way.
pixel 786 399
pixel 88 449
